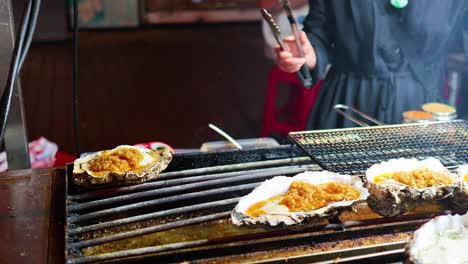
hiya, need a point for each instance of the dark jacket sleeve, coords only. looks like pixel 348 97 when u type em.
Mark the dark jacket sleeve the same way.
pixel 317 28
pixel 465 37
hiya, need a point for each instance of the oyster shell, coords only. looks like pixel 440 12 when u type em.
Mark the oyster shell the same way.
pixel 460 194
pixel 276 213
pixel 444 239
pixel 391 198
pixel 123 164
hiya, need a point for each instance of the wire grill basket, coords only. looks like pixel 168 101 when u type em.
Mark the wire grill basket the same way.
pixel 354 150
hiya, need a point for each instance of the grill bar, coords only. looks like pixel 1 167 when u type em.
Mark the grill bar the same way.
pixel 347 255
pixel 192 172
pixel 380 257
pixel 246 175
pixel 268 237
pixel 125 208
pixel 149 230
pixel 144 217
pixel 398 221
pixel 137 252
pixel 231 167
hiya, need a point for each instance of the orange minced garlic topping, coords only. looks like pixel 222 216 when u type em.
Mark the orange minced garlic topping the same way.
pixel 120 160
pixel 304 197
pixel 420 178
pixel 415 114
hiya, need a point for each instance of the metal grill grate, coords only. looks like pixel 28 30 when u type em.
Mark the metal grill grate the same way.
pixel 354 150
pixel 184 215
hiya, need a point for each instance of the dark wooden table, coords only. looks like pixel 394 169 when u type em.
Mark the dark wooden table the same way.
pixel 32 216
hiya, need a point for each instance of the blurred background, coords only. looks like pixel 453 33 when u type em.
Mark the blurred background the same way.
pixel 147 76
pixel 149 70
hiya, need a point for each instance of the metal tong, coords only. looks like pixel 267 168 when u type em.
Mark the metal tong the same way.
pixel 304 73
pixel 340 109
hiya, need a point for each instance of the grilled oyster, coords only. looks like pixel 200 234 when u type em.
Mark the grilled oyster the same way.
pixel 460 194
pixel 123 164
pixel 398 185
pixel 291 200
pixel 441 240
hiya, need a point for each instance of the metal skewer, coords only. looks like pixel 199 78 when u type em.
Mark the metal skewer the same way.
pixel 225 135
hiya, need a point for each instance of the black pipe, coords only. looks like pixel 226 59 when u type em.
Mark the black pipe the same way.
pixel 76 116
pixel 20 51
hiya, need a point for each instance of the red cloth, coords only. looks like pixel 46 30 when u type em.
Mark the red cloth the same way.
pixel 62 158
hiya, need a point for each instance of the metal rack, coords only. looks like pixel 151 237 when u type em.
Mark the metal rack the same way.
pixel 354 150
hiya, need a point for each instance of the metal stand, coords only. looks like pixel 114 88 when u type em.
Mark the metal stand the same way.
pixel 16 142
pixel 456 67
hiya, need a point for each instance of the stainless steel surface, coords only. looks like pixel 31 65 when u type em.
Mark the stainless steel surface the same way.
pixel 339 109
pixel 16 141
pixel 444 116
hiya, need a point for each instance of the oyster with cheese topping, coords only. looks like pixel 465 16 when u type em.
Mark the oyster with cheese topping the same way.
pixel 397 186
pixel 460 195
pixel 121 165
pixel 292 200
pixel 441 240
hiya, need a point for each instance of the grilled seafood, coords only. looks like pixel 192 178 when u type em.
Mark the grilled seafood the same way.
pixel 306 196
pixel 398 185
pixel 123 164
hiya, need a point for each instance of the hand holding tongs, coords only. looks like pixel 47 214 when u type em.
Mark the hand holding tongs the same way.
pixel 303 73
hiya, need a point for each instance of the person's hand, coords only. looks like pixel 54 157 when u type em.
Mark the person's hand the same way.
pixel 290 61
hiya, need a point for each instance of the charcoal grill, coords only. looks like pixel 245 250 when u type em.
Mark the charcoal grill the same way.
pixel 184 214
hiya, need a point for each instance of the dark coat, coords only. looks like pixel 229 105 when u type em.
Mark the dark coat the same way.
pixel 384 60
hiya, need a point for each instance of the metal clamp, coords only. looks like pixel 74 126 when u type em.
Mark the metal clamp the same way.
pixel 339 107
pixel 303 74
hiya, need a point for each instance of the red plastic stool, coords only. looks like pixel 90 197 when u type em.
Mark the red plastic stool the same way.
pixel 298 107
pixel 62 158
